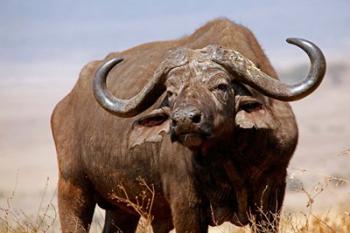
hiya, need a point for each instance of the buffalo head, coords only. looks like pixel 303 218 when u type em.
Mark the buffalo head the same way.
pixel 204 91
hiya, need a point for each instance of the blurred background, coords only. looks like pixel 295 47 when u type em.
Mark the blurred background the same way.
pixel 44 45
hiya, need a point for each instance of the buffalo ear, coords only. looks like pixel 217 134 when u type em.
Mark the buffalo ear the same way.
pixel 252 113
pixel 156 117
pixel 150 128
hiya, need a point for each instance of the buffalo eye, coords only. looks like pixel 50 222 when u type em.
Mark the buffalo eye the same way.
pixel 221 87
pixel 221 92
pixel 251 106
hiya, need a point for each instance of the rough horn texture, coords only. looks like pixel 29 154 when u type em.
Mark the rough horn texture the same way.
pixel 253 76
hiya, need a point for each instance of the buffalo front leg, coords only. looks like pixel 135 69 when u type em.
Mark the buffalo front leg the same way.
pixel 189 217
pixel 189 210
pixel 267 214
pixel 76 207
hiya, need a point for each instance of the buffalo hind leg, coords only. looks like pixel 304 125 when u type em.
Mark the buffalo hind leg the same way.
pixel 76 207
pixel 118 221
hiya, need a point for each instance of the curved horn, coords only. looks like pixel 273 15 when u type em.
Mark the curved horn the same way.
pixel 254 77
pixel 130 107
pixel 146 97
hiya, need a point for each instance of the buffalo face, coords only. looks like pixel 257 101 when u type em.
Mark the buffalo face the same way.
pixel 200 96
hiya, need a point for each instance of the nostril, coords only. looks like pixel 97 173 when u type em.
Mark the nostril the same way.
pixel 196 118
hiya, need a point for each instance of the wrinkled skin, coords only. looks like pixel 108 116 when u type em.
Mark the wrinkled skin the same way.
pixel 214 149
pixel 201 100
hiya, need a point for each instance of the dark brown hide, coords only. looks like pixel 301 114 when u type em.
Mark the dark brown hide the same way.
pixel 98 151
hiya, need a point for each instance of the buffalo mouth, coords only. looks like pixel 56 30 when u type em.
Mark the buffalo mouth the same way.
pixel 191 140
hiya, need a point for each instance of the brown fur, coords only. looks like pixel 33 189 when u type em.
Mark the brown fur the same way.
pixel 98 151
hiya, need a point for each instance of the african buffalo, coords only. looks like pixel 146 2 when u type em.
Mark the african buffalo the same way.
pixel 202 119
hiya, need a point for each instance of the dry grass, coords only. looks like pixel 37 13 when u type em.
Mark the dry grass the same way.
pixel 142 205
pixel 17 221
pixel 307 221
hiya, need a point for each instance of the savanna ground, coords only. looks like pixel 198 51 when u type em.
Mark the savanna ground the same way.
pixel 318 192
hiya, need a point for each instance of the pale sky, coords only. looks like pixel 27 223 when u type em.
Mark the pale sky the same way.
pixel 73 32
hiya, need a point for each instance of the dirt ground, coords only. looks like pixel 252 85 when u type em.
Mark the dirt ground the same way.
pixel 28 172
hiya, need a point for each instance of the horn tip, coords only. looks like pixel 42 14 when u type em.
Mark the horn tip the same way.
pixel 117 59
pixel 112 62
pixel 293 40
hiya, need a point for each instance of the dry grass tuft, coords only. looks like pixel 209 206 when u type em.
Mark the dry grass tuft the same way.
pixel 17 221
pixel 305 223
pixel 142 205
pixel 309 221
